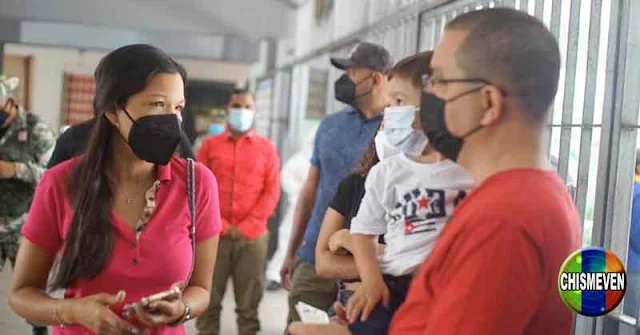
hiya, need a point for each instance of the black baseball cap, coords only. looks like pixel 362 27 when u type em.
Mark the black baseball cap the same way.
pixel 367 55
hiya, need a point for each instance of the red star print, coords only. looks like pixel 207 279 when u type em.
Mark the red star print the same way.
pixel 424 202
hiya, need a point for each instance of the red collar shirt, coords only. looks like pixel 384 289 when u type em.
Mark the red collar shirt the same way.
pixel 248 172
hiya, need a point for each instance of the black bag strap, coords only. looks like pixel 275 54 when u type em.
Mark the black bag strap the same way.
pixel 191 196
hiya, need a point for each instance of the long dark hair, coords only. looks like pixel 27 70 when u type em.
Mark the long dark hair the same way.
pixel 121 74
pixel 368 160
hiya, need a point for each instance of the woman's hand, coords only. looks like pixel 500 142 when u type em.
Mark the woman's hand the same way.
pixel 341 314
pixel 298 328
pixel 338 326
pixel 380 249
pixel 338 240
pixel 366 298
pixel 93 313
pixel 161 312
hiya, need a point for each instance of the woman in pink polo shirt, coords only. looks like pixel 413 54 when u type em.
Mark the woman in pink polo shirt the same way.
pixel 120 216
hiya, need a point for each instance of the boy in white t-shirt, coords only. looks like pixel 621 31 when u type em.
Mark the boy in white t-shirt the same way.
pixel 409 197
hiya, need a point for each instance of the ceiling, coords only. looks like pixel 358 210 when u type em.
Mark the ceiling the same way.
pixel 201 25
pixel 252 19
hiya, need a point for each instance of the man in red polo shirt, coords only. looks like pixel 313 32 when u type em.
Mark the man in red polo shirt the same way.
pixel 248 171
pixel 494 268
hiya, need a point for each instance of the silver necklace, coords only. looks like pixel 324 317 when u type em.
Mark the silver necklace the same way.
pixel 129 199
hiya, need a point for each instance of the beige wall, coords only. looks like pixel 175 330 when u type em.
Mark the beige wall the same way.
pixel 49 65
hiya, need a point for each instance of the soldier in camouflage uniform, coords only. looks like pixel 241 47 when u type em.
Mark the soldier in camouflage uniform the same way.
pixel 26 144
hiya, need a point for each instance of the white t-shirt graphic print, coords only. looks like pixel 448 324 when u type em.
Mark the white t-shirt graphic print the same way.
pixel 409 203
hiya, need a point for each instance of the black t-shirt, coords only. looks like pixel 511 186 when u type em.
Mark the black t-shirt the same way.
pixel 347 199
pixel 71 143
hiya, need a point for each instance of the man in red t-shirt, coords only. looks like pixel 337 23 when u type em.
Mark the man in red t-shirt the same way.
pixel 494 268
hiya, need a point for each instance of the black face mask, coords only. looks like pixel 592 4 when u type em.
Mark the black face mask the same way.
pixel 154 138
pixel 4 113
pixel 345 90
pixel 432 119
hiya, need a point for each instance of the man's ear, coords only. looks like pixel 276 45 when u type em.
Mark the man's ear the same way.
pixel 492 101
pixel 378 78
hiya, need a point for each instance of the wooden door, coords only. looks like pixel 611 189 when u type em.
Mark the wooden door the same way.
pixel 20 66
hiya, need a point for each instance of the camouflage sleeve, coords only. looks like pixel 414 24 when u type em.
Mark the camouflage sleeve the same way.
pixel 10 239
pixel 12 225
pixel 42 143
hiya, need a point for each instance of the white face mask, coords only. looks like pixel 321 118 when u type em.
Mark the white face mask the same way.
pixel 397 123
pixel 384 149
pixel 240 119
pixel 398 130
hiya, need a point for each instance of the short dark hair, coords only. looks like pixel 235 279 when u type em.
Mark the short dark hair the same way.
pixel 413 67
pixel 513 50
pixel 241 91
pixel 637 157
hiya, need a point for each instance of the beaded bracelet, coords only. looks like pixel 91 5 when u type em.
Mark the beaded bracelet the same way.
pixel 185 317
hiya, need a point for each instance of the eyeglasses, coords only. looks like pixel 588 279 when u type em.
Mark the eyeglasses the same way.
pixel 428 81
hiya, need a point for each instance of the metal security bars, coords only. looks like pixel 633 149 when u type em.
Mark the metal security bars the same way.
pixel 400 38
pixel 264 102
pixel 596 158
pixel 593 125
pixel 279 117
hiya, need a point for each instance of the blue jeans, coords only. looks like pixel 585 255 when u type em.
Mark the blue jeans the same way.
pixel 632 296
pixel 380 318
pixel 343 296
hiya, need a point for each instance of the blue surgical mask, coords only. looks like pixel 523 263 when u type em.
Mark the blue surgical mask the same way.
pixel 384 149
pixel 4 112
pixel 216 129
pixel 3 117
pixel 398 130
pixel 397 123
pixel 240 119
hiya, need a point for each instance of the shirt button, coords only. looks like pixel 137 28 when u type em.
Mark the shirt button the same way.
pixel 134 261
pixel 134 244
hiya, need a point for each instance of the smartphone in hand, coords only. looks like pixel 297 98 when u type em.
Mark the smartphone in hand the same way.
pixel 144 302
pixel 310 314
